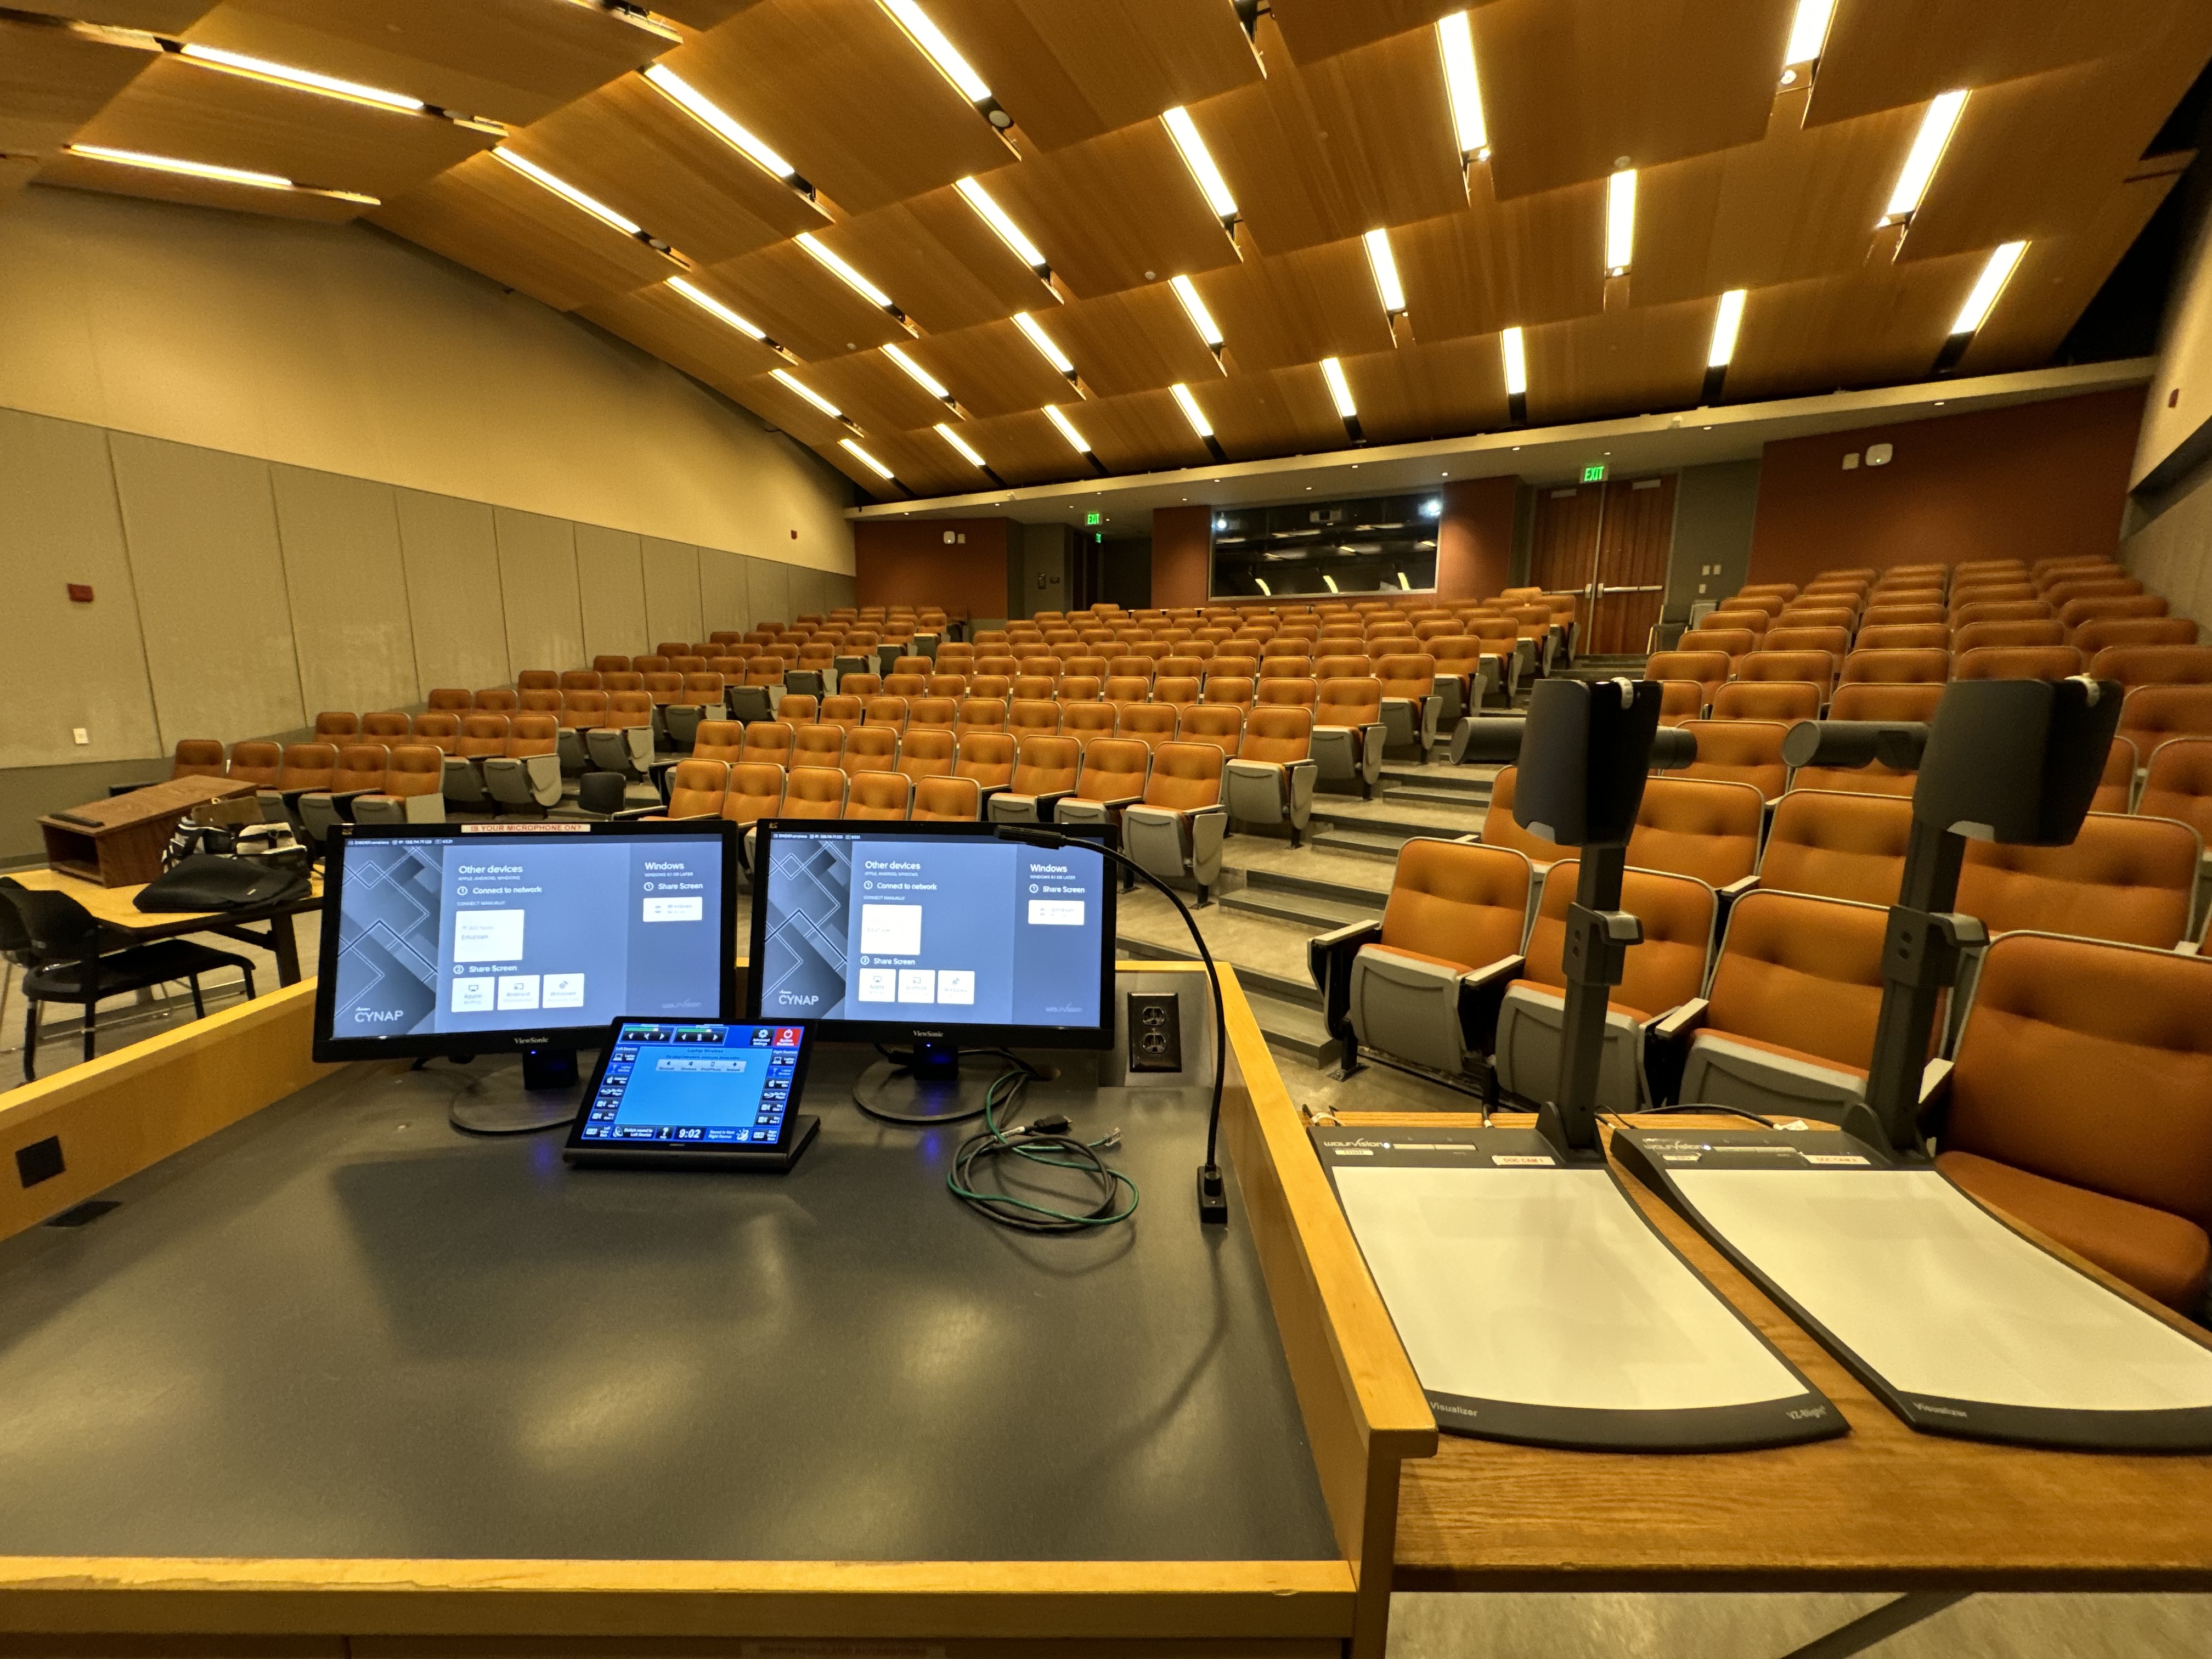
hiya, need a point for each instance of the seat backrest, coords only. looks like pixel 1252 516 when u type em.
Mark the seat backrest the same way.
pixel 387 726
pixel 1836 641
pixel 258 763
pixel 696 787
pixel 1037 717
pixel 2091 587
pixel 1699 828
pixel 441 730
pixel 1343 665
pixel 1988 610
pixel 361 766
pixel 1279 735
pixel 2153 664
pixel 1113 768
pixel 2127 879
pixel 939 713
pixel 1457 901
pixel 1680 701
pixel 336 725
pixel 1710 669
pixel 1177 690
pixel 1886 700
pixel 1046 765
pixel 879 795
pixel 1501 828
pixel 1864 668
pixel 1406 674
pixel 665 687
pixel 1151 723
pixel 1185 776
pixel 817 744
pixel 541 702
pixel 1739 751
pixel 1787 701
pixel 1838 846
pixel 2099 632
pixel 946 799
pixel 948 685
pixel 532 734
pixel 2179 784
pixel 923 754
pixel 862 686
pixel 1905 637
pixel 2017 662
pixel 481 735
pixel 1287 693
pixel 885 711
pixel 651 663
pixel 1903 616
pixel 2041 631
pixel 2110 607
pixel 986 756
pixel 1813 667
pixel 580 679
pixel 196 758
pixel 2116 787
pixel 875 749
pixel 1666 968
pixel 1349 701
pixel 415 769
pixel 453 700
pixel 1731 642
pixel 1219 724
pixel 718 740
pixel 1802 972
pixel 1277 663
pixel 2091 1064
pixel 769 740
pixel 1730 618
pixel 536 679
pixel 980 714
pixel 813 792
pixel 906 685
pixel 1085 720
pixel 309 766
pixel 585 708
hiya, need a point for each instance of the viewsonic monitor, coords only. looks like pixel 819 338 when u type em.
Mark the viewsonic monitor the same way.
pixel 465 939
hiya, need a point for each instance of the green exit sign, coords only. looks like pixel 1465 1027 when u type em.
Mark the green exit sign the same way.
pixel 1090 518
pixel 1593 473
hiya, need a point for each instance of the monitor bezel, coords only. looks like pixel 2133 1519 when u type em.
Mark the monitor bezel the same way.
pixel 911 1031
pixel 328 1048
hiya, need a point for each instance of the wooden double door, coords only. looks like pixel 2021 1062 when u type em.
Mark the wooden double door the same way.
pixel 1610 542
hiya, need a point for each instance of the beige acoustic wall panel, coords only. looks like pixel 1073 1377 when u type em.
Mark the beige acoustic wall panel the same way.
pixel 538 588
pixel 453 592
pixel 611 579
pixel 201 529
pixel 722 593
pixel 347 586
pixel 671 590
pixel 769 586
pixel 66 664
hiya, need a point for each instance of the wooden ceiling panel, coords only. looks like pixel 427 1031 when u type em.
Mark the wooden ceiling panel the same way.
pixel 920 460
pixel 700 14
pixel 992 369
pixel 2056 278
pixel 802 304
pixel 176 109
pixel 52 81
pixel 1630 361
pixel 1027 448
pixel 1315 29
pixel 1430 391
pixel 660 320
pixel 157 16
pixel 1571 87
pixel 15 171
pixel 1361 139
pixel 491 218
pixel 80 173
pixel 877 392
pixel 2038 156
pixel 1876 327
pixel 1535 259
pixel 936 257
pixel 1802 205
pixel 1139 341
pixel 1298 308
pixel 643 156
pixel 1284 412
pixel 1877 58
pixel 1142 432
pixel 1070 72
pixel 837 88
pixel 513 60
pixel 1115 212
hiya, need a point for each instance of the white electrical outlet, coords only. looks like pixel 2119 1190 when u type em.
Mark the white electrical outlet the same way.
pixel 80 735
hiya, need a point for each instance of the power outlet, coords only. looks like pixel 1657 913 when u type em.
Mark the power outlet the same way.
pixel 1155 1032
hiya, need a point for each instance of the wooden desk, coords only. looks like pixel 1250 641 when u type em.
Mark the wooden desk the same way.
pixel 1883 1508
pixel 116 907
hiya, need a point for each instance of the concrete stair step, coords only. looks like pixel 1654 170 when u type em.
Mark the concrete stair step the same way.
pixel 1306 910
pixel 1427 795
pixel 1366 843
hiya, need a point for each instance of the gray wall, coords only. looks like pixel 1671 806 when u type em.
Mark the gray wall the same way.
pixel 1043 553
pixel 1714 506
pixel 2169 542
pixel 238 597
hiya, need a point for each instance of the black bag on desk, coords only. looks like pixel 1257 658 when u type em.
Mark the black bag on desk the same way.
pixel 209 881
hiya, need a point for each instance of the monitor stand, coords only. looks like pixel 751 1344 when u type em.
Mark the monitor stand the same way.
pixel 546 1095
pixel 929 1090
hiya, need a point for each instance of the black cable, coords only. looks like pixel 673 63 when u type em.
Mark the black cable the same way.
pixel 1621 1122
pixel 1212 1190
pixel 1045 1142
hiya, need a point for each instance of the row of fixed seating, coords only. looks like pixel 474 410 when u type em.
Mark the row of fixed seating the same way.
pixel 1780 1018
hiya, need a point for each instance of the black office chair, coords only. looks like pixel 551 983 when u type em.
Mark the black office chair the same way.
pixel 67 956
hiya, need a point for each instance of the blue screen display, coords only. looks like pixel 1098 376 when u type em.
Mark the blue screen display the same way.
pixel 694 1085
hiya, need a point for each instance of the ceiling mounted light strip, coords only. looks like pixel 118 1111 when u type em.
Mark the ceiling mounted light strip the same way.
pixel 1080 444
pixel 791 382
pixel 1981 300
pixel 937 47
pixel 1049 351
pixel 1339 393
pixel 1199 423
pixel 853 279
pixel 330 85
pixel 1726 321
pixel 589 203
pixel 1513 355
pixel 1620 222
pixel 1921 161
pixel 1201 320
pixel 209 170
pixel 868 461
pixel 992 215
pixel 927 381
pixel 718 121
pixel 1808 39
pixel 1199 161
pixel 1388 287
pixel 714 308
pixel 1455 40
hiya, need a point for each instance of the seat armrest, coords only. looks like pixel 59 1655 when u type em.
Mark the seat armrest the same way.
pixel 1679 1022
pixel 1735 889
pixel 1505 968
pixel 1481 996
pixel 1047 804
pixel 1328 962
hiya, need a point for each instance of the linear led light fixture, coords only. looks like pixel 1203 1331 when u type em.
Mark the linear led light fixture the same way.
pixel 1726 320
pixel 992 215
pixel 1049 351
pixel 136 158
pixel 1455 40
pixel 967 451
pixel 1920 161
pixel 1201 320
pixel 1997 272
pixel 1620 222
pixel 721 314
pixel 927 381
pixel 330 85
pixel 853 279
pixel 792 382
pixel 1339 393
pixel 1199 423
pixel 1513 351
pixel 1199 161
pixel 577 199
pixel 1809 37
pixel 636 16
pixel 868 461
pixel 717 120
pixel 1386 285
pixel 1080 444
pixel 1331 580
pixel 937 47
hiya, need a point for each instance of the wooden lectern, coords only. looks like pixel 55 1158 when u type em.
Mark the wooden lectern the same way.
pixel 118 842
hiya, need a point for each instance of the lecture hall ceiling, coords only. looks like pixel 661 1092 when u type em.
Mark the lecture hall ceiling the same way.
pixel 1023 242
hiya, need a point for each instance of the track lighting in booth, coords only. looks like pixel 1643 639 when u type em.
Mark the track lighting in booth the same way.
pixel 1981 300
pixel 1009 232
pixel 1199 161
pixel 1512 350
pixel 136 158
pixel 1620 222
pixel 1920 161
pixel 1455 40
pixel 1727 319
pixel 1339 393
